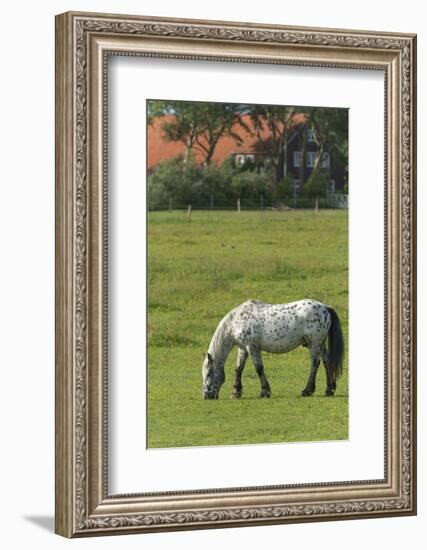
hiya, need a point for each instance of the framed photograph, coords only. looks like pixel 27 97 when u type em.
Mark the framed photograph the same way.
pixel 235 274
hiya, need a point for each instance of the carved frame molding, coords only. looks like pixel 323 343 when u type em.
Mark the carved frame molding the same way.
pixel 83 42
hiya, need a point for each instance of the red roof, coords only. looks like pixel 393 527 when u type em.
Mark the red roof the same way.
pixel 159 149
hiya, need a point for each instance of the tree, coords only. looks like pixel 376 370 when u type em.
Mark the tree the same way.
pixel 249 185
pixel 302 141
pixel 175 180
pixel 273 126
pixel 330 128
pixel 317 184
pixel 199 125
pixel 184 125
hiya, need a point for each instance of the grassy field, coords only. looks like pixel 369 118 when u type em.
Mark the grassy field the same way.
pixel 197 272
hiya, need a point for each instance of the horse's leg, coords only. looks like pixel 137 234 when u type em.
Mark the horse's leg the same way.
pixel 311 382
pixel 330 380
pixel 242 355
pixel 259 367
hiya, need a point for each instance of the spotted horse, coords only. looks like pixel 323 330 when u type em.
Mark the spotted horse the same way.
pixel 255 326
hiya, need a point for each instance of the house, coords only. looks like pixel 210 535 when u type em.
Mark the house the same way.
pixel 246 147
pixel 301 170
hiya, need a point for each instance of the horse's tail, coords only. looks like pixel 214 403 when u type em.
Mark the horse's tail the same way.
pixel 335 344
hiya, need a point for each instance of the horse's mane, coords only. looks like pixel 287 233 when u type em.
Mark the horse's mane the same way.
pixel 219 338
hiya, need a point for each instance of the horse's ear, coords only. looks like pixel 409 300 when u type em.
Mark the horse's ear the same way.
pixel 209 356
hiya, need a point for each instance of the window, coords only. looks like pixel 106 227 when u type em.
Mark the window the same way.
pixel 310 135
pixel 297 184
pixel 331 186
pixel 297 159
pixel 311 159
pixel 242 159
pixel 325 161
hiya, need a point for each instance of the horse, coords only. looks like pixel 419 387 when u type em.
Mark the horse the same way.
pixel 255 326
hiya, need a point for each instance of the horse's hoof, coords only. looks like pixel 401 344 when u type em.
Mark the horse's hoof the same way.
pixel 306 393
pixel 329 393
pixel 265 394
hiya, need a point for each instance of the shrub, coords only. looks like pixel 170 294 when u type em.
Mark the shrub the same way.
pixel 317 184
pixel 283 191
pixel 250 185
pixel 173 179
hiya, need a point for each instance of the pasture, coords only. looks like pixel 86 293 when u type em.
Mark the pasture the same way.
pixel 198 270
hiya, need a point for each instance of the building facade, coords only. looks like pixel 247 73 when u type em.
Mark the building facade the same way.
pixel 299 157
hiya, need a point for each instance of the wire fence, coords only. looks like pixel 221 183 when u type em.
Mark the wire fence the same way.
pixel 332 201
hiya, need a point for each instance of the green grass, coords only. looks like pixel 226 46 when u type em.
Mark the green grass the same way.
pixel 197 272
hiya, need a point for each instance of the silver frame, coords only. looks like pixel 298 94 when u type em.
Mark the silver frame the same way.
pixel 83 43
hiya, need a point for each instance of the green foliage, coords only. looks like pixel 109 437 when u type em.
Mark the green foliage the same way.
pixel 197 272
pixel 317 184
pixel 173 179
pixel 186 183
pixel 249 185
pixel 228 170
pixel 158 197
pixel 199 125
pixel 330 127
pixel 283 192
pixel 280 121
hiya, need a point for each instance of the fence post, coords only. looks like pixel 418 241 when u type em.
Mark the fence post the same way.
pixel 189 213
pixel 238 205
pixel 316 205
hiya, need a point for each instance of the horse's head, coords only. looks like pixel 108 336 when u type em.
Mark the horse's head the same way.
pixel 213 377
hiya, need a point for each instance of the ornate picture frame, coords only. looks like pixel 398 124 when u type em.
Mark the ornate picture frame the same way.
pixel 83 43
